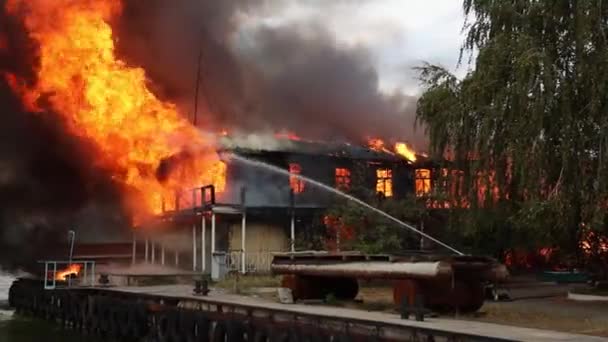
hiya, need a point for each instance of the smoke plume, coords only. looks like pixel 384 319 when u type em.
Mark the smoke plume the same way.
pixel 48 183
pixel 293 77
pixel 263 78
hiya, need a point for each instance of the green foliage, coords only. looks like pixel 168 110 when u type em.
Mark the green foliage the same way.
pixel 373 233
pixel 534 112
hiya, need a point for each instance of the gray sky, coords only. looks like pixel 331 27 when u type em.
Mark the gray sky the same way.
pixel 399 34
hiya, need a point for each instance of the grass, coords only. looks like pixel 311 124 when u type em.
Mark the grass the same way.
pixel 590 291
pixel 379 298
pixel 496 313
pixel 247 283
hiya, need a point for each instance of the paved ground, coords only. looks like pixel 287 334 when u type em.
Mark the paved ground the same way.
pixel 453 325
pixel 534 305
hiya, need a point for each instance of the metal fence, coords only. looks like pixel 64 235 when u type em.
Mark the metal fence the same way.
pixel 67 274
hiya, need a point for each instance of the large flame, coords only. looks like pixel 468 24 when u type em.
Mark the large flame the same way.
pixel 104 100
pixel 405 150
pixel 401 148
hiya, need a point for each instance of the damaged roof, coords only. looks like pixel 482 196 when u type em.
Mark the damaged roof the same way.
pixel 334 149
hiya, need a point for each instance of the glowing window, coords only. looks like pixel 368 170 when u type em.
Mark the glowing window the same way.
pixel 296 184
pixel 423 182
pixel 342 178
pixel 384 182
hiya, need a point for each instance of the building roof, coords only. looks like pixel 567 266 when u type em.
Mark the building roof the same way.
pixel 319 148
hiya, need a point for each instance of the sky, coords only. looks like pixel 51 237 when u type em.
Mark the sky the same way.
pixel 399 34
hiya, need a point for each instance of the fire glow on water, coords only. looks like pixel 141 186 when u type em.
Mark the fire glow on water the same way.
pixel 103 100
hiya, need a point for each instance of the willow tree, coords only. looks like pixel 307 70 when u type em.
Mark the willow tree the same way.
pixel 530 120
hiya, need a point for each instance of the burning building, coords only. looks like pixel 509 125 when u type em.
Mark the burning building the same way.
pixel 97 127
pixel 258 211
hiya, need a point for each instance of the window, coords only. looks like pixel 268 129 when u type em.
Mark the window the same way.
pixel 342 179
pixel 384 182
pixel 423 182
pixel 296 184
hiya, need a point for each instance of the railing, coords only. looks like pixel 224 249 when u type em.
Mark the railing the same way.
pixel 75 273
pixel 189 199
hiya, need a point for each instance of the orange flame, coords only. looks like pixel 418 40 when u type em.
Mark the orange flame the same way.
pixel 376 144
pixel 296 184
pixel 422 182
pixel 102 99
pixel 405 150
pixel 72 270
pixel 400 148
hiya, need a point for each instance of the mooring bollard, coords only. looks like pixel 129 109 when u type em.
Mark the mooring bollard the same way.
pixel 103 279
pixel 201 287
pixel 417 309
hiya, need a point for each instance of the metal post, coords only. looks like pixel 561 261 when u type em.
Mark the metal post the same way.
pixel 133 252
pixel 162 253
pixel 93 273
pixel 292 237
pixel 212 233
pixel 54 274
pixel 198 82
pixel 243 242
pixel 292 241
pixel 176 258
pixel 194 259
pixel 153 255
pixel 243 230
pixel 86 266
pixel 71 237
pixel 46 274
pixel 147 258
pixel 203 243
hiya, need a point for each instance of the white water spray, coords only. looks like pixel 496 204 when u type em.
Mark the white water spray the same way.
pixel 325 187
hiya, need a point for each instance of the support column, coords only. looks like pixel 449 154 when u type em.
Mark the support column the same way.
pixel 134 250
pixel 194 259
pixel 292 237
pixel 203 243
pixel 243 242
pixel 212 233
pixel 243 230
pixel 176 258
pixel 162 254
pixel 153 257
pixel 146 252
pixel 422 242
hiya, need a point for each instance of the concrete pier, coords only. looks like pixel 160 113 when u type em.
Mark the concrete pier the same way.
pixel 174 312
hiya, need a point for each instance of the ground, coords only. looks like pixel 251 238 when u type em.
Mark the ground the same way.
pixel 535 305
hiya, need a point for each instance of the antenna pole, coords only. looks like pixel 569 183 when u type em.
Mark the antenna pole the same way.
pixel 198 84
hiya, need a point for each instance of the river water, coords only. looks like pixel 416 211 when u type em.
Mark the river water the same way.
pixel 14 328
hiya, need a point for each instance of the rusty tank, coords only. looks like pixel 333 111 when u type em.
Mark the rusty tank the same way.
pixel 445 282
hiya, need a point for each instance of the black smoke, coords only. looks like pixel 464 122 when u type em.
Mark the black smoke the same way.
pixel 48 181
pixel 271 78
pixel 286 77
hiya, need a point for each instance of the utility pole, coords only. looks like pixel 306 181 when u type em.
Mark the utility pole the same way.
pixel 198 84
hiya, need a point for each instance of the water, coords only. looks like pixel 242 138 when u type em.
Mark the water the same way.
pixel 335 191
pixel 14 328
